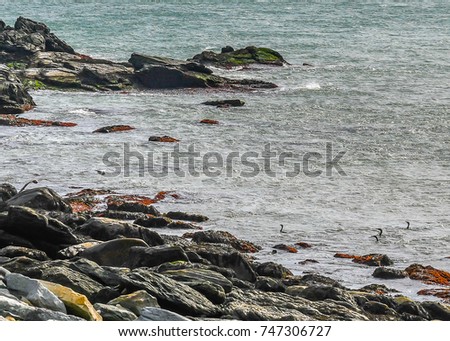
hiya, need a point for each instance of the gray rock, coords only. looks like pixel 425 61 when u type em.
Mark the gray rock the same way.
pixel 34 292
pixel 269 284
pixel 158 314
pixel 272 269
pixel 21 311
pixel 211 291
pixel 153 256
pixel 377 308
pixel 186 216
pixel 388 273
pixel 40 198
pixel 200 275
pixel 224 257
pixel 108 229
pixel 48 234
pixel 135 301
pixel 7 191
pixel 115 252
pixel 18 251
pixel 226 102
pixel 114 313
pixel 14 98
pixel 173 295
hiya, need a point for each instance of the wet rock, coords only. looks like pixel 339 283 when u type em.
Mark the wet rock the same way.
pixel 413 308
pixel 223 237
pixel 444 294
pixel 379 289
pixel 114 129
pixel 132 204
pixel 21 311
pixel 321 293
pixel 377 308
pixel 186 216
pixel 389 273
pixel 115 252
pixel 14 121
pixel 222 258
pixel 241 57
pixel 307 261
pixel 158 314
pixel 269 284
pixel 314 280
pixel 181 225
pixel 438 311
pixel 285 247
pixel 153 256
pixel 303 245
pixel 7 191
pixel 209 121
pixel 34 292
pixel 152 221
pixel 227 49
pixel 107 229
pixel 14 98
pixel 17 251
pixel 428 274
pixel 273 270
pixel 211 291
pixel 373 259
pixel 200 275
pixel 173 295
pixel 164 138
pixel 40 198
pixel 122 215
pixel 76 303
pixel 114 312
pixel 48 235
pixel 74 250
pixel 135 301
pixel 225 102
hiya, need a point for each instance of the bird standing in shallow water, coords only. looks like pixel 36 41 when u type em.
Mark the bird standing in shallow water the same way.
pixel 407 227
pixel 281 230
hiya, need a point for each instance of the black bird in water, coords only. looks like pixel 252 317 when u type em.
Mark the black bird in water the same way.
pixel 407 227
pixel 380 232
pixel 29 182
pixel 281 230
pixel 376 237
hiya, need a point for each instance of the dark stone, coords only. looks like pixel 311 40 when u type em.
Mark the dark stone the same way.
pixel 388 273
pixel 173 295
pixel 122 215
pixel 114 312
pixel 377 308
pixel 153 256
pixel 108 229
pixel 113 129
pixel 47 234
pixel 153 221
pixel 413 308
pixel 158 314
pixel 160 77
pixel 269 284
pixel 14 99
pixel 30 26
pixel 2 25
pixel 226 102
pixel 7 239
pixel 186 216
pixel 438 311
pixel 223 237
pixel 211 291
pixel 7 191
pixel 227 49
pixel 133 207
pixel 18 251
pixel 182 225
pixel 318 280
pixel 321 293
pixel 199 275
pixel 139 61
pixel 40 198
pixel 273 270
pixel 115 252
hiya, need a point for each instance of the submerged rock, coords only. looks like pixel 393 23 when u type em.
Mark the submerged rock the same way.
pixel 226 102
pixel 209 121
pixel 164 138
pixel 114 128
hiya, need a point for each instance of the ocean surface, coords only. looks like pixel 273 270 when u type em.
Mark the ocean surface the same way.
pixel 378 90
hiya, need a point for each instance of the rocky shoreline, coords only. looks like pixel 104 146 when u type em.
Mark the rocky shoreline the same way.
pixel 64 258
pixel 35 58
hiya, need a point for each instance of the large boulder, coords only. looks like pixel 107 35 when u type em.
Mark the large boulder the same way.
pixel 14 98
pixel 153 256
pixel 40 198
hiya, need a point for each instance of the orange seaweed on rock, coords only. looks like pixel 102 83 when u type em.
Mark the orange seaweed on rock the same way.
pixel 164 138
pixel 428 274
pixel 441 293
pixel 303 245
pixel 114 129
pixel 344 255
pixel 208 121
pixel 374 259
pixel 285 247
pixel 79 206
pixel 14 121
